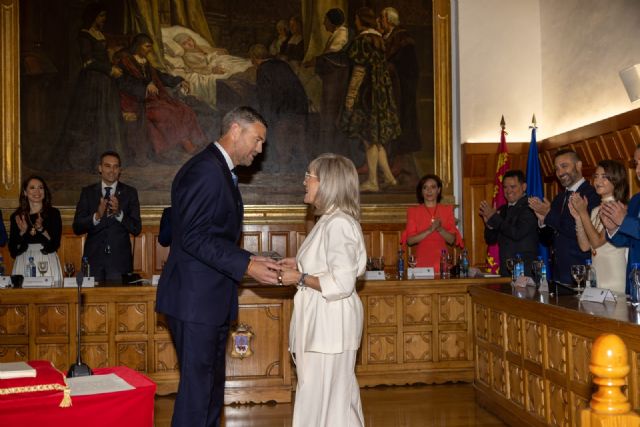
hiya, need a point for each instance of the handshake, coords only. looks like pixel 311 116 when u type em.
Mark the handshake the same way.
pixel 271 269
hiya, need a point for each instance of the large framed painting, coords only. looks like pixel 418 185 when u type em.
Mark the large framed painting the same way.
pixel 72 87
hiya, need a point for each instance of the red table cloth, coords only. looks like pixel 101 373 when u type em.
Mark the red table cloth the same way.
pixel 130 408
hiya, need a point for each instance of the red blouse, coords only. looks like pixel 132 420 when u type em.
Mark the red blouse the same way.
pixel 419 218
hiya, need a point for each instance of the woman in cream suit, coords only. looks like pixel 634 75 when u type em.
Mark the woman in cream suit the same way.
pixel 326 326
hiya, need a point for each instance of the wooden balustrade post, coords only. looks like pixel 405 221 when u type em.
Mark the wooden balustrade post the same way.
pixel 609 406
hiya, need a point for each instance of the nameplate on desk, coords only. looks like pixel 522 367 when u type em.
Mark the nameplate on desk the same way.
pixel 87 282
pixel 155 279
pixel 374 275
pixel 5 281
pixel 37 282
pixel 597 295
pixel 421 273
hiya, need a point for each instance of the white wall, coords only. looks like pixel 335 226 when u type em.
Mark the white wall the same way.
pixel 557 58
pixel 500 71
pixel 585 43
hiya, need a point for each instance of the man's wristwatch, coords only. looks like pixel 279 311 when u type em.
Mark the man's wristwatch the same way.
pixel 301 283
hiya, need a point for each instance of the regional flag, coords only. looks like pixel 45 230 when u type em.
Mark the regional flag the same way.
pixel 493 253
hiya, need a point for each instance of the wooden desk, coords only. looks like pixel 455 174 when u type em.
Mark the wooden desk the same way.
pixel 532 356
pixel 416 331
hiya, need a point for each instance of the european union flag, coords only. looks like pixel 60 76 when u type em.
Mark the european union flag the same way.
pixel 535 187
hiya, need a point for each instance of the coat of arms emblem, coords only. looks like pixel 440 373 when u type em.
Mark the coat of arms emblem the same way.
pixel 241 339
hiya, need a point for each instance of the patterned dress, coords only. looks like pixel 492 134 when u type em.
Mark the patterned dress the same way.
pixel 374 117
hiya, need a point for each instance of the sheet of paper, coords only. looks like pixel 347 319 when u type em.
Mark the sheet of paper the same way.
pixel 16 370
pixel 96 384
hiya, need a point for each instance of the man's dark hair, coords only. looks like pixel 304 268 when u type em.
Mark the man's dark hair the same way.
pixel 515 173
pixel 564 151
pixel 243 115
pixel 112 154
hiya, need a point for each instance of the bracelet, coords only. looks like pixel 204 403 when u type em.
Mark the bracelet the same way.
pixel 301 281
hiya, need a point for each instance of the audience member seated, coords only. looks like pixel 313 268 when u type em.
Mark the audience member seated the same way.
pixel 35 230
pixel 431 226
pixel 514 226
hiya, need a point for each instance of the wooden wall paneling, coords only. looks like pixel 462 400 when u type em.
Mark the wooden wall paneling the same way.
pixel 476 191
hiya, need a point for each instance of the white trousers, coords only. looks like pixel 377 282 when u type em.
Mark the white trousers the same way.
pixel 329 395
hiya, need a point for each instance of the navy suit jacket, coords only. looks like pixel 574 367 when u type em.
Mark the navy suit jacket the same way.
pixel 560 233
pixel 109 231
pixel 628 235
pixel 199 280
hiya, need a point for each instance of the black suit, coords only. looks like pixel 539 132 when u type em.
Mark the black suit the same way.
pixel 108 244
pixel 198 286
pixel 560 233
pixel 515 230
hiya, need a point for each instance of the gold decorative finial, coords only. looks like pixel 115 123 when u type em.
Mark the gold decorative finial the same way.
pixel 502 123
pixel 534 122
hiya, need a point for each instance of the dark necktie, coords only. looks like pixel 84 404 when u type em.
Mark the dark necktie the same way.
pixel 107 192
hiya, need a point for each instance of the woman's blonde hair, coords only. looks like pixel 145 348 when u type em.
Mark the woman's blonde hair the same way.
pixel 338 184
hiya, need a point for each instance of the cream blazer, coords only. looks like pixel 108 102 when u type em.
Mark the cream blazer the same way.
pixel 329 321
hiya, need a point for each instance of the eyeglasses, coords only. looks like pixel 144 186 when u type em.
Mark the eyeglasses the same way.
pixel 308 175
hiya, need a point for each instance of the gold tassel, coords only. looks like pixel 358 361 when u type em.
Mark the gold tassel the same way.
pixel 66 399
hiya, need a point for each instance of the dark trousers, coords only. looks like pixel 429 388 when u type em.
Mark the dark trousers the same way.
pixel 201 355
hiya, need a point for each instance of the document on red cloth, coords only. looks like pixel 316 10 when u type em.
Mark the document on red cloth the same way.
pixel 128 408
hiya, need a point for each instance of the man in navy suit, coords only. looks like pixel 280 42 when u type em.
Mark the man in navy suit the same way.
pixel 108 212
pixel 557 225
pixel 198 286
pixel 623 225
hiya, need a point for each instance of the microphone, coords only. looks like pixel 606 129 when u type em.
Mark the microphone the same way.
pixel 79 369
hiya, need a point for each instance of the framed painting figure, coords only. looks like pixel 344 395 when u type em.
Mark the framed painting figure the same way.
pixel 153 82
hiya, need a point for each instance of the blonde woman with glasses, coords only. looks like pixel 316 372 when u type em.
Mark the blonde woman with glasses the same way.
pixel 327 320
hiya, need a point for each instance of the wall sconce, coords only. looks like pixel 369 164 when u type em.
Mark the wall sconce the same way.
pixel 631 80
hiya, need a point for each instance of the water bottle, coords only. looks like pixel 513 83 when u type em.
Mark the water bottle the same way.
pixel 464 264
pixel 32 268
pixel 444 264
pixel 518 267
pixel 592 279
pixel 86 269
pixel 400 264
pixel 543 272
pixel 1 265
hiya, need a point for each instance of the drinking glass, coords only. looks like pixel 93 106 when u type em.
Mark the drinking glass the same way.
pixel 412 261
pixel 579 274
pixel 370 264
pixel 69 269
pixel 381 263
pixel 43 266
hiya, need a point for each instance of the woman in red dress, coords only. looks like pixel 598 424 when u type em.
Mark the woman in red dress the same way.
pixel 430 225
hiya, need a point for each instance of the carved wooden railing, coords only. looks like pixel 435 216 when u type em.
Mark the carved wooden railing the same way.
pixel 609 406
